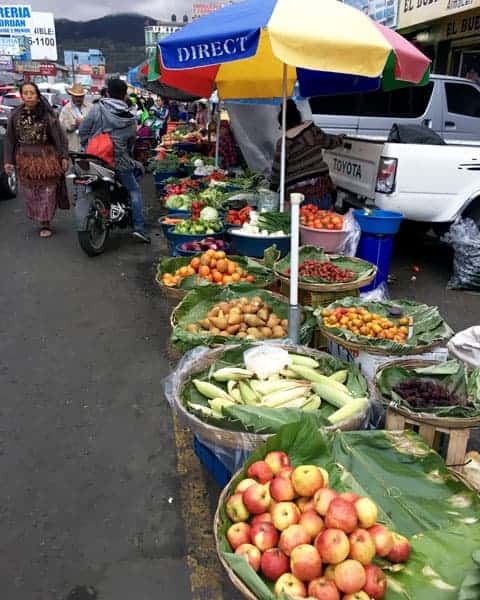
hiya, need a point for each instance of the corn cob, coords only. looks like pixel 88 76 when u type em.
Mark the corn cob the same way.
pixel 209 390
pixel 218 404
pixel 356 406
pixel 278 398
pixel 205 411
pixel 304 361
pixel 332 395
pixel 314 403
pixel 316 377
pixel 232 374
pixel 268 387
pixel 340 376
pixel 248 395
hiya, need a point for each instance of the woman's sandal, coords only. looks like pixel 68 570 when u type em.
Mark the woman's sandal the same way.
pixel 45 232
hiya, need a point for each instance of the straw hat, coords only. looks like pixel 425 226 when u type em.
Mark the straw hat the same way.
pixel 77 89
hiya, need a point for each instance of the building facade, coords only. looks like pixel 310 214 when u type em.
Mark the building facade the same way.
pixel 154 32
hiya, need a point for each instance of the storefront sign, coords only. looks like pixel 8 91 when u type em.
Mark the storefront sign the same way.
pixel 36 68
pixel 6 63
pixel 460 26
pixel 413 12
pixel 43 39
pixel 15 19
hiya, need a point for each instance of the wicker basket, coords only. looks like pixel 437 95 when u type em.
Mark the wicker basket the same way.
pixel 426 418
pixel 224 437
pixel 172 292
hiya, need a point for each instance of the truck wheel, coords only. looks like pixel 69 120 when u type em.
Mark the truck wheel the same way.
pixel 473 212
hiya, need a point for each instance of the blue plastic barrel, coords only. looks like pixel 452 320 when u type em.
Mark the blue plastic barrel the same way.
pixel 377 249
pixel 378 221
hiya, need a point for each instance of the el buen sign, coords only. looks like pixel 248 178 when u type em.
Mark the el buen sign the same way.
pixel 414 12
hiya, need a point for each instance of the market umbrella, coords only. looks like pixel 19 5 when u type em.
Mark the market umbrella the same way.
pixel 260 48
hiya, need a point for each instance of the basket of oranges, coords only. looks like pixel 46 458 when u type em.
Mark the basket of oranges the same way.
pixel 322 228
pixel 213 267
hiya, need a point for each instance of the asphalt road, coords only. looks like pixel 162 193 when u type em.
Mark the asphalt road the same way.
pixel 102 496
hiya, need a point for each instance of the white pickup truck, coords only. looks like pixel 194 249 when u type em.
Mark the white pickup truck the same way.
pixel 427 183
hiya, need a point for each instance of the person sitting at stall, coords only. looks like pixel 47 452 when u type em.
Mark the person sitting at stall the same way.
pixel 306 171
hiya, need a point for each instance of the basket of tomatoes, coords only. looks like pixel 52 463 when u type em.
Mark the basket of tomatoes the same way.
pixel 322 228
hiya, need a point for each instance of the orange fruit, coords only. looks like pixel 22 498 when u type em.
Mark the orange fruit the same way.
pixel 250 278
pixel 195 263
pixel 190 271
pixel 204 271
pixel 222 265
pixel 213 263
pixel 227 279
pixel 220 254
pixel 217 277
pixel 205 259
pixel 236 277
pixel 232 267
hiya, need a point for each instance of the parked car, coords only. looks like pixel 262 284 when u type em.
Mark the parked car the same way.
pixel 8 183
pixel 450 106
pixel 433 184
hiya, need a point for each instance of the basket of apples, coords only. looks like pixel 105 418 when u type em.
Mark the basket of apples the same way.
pixel 299 537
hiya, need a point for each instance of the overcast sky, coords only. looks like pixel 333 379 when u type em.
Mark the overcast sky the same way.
pixel 90 9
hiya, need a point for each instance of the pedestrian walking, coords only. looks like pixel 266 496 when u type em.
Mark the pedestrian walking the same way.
pixel 72 115
pixel 307 172
pixel 162 112
pixel 111 115
pixel 37 147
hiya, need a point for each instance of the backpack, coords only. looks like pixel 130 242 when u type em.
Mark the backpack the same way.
pixel 102 146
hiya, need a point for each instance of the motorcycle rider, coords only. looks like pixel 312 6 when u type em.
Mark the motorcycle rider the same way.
pixel 111 115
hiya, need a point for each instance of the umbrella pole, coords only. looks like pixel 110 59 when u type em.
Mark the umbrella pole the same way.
pixel 283 166
pixel 217 141
pixel 294 311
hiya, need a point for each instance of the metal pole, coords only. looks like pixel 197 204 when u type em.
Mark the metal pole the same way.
pixel 294 311
pixel 217 141
pixel 283 166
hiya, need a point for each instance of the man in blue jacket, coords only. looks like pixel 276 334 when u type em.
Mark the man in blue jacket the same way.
pixel 111 115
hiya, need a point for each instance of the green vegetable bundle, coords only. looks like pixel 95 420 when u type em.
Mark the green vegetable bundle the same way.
pixel 198 227
pixel 451 375
pixel 261 419
pixel 274 221
pixel 429 328
pixel 361 268
pixel 417 496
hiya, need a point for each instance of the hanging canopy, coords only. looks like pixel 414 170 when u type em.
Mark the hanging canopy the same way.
pixel 330 47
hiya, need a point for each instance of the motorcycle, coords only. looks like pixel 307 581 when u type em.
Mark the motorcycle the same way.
pixel 102 202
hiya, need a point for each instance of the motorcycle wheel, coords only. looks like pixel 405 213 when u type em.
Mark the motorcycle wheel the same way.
pixel 94 238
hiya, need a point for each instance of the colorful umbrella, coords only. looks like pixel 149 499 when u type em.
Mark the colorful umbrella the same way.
pixel 330 47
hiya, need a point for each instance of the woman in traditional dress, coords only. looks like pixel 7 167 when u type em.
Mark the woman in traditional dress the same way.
pixel 37 148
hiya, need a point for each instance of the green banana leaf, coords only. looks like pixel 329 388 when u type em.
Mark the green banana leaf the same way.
pixel 263 276
pixel 197 303
pixel 470 588
pixel 428 325
pixel 262 420
pixel 417 497
pixel 362 268
pixel 452 375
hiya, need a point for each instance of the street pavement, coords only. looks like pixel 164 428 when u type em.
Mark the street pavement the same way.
pixel 102 496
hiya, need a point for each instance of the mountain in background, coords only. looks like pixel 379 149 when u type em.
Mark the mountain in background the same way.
pixel 120 37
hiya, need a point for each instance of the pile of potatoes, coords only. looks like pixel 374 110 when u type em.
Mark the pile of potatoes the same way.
pixel 245 318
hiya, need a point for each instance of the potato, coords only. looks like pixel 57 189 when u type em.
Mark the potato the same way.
pixel 224 307
pixel 255 333
pixel 233 329
pixel 266 332
pixel 235 318
pixel 242 334
pixel 248 309
pixel 243 326
pixel 205 323
pixel 224 333
pixel 257 299
pixel 243 301
pixel 278 332
pixel 254 321
pixel 192 328
pixel 273 321
pixel 213 312
pixel 214 331
pixel 284 323
pixel 219 322
pixel 263 314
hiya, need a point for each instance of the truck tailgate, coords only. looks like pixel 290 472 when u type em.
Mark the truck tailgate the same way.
pixel 354 165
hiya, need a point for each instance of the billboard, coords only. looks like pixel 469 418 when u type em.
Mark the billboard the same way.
pixel 199 9
pixel 43 41
pixel 15 19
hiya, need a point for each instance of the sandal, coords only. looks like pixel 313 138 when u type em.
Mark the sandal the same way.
pixel 45 232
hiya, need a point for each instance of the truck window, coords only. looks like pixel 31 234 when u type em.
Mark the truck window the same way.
pixel 463 99
pixel 346 104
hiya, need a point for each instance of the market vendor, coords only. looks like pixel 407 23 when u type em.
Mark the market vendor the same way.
pixel 306 172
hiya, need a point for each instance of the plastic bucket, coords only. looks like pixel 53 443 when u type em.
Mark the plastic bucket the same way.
pixel 330 241
pixel 178 213
pixel 254 246
pixel 175 239
pixel 377 249
pixel 180 252
pixel 166 227
pixel 378 221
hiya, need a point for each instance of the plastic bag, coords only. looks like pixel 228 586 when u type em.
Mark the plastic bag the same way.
pixel 352 235
pixel 464 236
pixel 466 346
pixel 379 294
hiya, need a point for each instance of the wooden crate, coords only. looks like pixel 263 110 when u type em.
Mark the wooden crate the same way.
pixel 449 441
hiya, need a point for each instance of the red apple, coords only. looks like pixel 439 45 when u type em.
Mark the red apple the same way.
pixel 304 503
pixel 329 572
pixel 289 584
pixel 305 562
pixel 251 554
pixel 350 576
pixel 323 589
pixel 277 460
pixel 367 512
pixel 358 596
pixel 282 490
pixel 244 485
pixel 307 479
pixel 286 472
pixel 341 514
pixel 236 509
pixel 322 499
pixel 362 546
pixel 264 536
pixel 349 497
pixel 382 538
pixel 272 506
pixel 257 499
pixel 293 536
pixel 312 522
pixel 376 582
pixel 285 514
pixel 238 534
pixel 333 546
pixel 263 518
pixel 326 476
pixel 260 471
pixel 274 564
pixel 400 552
